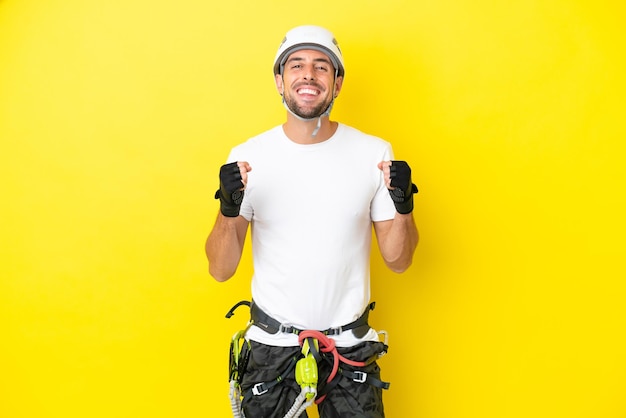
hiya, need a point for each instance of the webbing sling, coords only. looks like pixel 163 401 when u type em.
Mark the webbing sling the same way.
pixel 359 327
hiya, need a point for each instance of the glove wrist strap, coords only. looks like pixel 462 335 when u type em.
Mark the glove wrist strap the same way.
pixel 403 201
pixel 230 210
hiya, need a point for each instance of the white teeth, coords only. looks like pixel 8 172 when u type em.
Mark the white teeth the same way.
pixel 308 91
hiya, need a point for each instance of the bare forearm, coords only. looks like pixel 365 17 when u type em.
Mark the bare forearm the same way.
pixel 224 246
pixel 398 242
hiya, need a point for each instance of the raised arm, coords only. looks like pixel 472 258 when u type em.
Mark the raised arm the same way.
pixel 224 244
pixel 398 237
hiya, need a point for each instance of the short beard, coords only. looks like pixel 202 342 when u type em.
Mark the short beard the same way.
pixel 307 113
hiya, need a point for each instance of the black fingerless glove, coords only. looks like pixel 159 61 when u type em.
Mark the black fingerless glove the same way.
pixel 230 193
pixel 402 194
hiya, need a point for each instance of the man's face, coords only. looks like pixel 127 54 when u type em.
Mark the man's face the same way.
pixel 308 83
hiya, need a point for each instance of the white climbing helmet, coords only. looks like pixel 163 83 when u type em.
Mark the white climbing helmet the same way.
pixel 309 37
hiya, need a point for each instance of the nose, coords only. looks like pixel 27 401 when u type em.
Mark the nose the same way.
pixel 309 74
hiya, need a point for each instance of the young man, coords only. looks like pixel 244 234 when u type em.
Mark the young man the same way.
pixel 311 189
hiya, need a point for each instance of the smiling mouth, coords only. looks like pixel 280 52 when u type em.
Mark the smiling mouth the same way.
pixel 309 91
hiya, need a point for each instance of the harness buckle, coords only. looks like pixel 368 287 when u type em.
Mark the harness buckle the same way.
pixel 360 377
pixel 288 329
pixel 334 331
pixel 259 389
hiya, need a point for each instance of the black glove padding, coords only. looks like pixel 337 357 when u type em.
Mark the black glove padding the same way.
pixel 402 194
pixel 230 193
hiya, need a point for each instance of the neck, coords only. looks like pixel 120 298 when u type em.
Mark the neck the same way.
pixel 301 131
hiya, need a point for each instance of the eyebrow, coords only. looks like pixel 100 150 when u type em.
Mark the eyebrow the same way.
pixel 324 60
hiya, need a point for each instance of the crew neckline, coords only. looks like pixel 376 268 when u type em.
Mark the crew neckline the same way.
pixel 316 145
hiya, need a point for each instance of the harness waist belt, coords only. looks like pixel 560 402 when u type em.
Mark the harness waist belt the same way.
pixel 359 327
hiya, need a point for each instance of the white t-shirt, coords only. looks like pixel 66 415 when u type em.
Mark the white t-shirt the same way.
pixel 311 209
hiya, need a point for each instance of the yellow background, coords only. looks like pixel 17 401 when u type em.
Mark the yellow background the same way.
pixel 116 115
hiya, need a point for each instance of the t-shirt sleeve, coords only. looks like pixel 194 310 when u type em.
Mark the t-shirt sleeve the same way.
pixel 382 208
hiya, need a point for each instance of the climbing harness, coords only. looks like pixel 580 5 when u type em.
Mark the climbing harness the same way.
pixel 359 327
pixel 315 345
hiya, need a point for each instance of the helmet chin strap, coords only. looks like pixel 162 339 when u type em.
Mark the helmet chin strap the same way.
pixel 319 118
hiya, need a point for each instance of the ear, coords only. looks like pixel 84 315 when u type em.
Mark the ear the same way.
pixel 338 84
pixel 279 84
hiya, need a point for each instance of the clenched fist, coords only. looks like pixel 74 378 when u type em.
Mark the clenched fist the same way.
pixel 232 185
pixel 398 181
